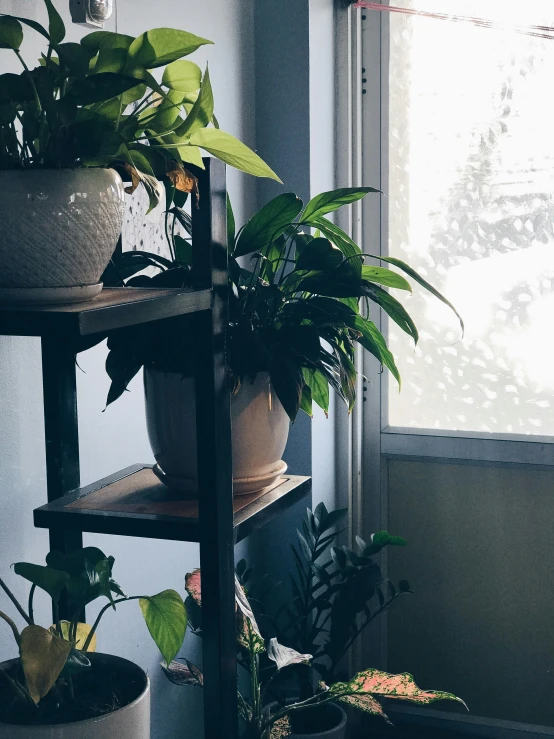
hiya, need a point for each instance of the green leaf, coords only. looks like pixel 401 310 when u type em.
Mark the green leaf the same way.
pixel 202 111
pixel 393 308
pixel 166 618
pixel 230 225
pixel 51 580
pixel 415 276
pixel 385 277
pixel 319 387
pixel 161 46
pixel 99 87
pixel 56 25
pixel 75 57
pixel 231 151
pixel 183 251
pixel 326 202
pixel 183 76
pixel 320 254
pixel 268 223
pixel 339 238
pixel 98 40
pixel 373 341
pixel 11 33
pixel 43 657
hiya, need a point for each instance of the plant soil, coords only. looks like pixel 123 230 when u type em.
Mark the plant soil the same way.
pixel 314 720
pixel 97 690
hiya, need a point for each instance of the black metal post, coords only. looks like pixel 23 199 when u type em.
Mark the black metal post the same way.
pixel 213 421
pixel 62 436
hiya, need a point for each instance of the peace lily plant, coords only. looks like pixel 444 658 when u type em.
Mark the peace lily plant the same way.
pixel 261 716
pixel 53 680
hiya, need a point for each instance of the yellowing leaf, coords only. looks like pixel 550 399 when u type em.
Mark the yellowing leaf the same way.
pixel 83 630
pixel 166 617
pixel 43 657
pixel 182 179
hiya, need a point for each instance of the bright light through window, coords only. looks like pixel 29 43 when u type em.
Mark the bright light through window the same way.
pixel 471 206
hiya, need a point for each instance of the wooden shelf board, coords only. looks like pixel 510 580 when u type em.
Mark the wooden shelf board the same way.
pixel 113 308
pixel 134 502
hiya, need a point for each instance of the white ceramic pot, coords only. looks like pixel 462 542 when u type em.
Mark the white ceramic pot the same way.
pixel 260 432
pixel 130 722
pixel 59 231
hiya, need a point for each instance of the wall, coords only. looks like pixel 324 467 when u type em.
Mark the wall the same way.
pixel 117 438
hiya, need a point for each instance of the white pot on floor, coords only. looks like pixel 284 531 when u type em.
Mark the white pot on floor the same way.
pixel 131 721
pixel 260 432
pixel 59 231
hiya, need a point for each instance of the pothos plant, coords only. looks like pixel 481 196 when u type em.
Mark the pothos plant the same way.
pixel 44 685
pixel 302 298
pixel 260 716
pixel 97 104
pixel 336 592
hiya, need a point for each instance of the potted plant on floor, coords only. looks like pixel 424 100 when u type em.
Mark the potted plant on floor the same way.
pixel 297 311
pixel 71 125
pixel 59 685
pixel 336 593
pixel 263 718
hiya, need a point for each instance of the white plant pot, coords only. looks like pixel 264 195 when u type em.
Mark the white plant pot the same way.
pixel 59 231
pixel 260 431
pixel 130 722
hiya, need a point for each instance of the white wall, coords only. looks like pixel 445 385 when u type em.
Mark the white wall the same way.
pixel 112 440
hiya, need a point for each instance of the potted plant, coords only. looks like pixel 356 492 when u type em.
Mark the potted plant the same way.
pixel 300 303
pixel 336 592
pixel 264 718
pixel 59 685
pixel 71 125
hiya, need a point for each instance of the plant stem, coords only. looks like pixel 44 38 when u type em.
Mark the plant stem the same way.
pixel 12 626
pixel 31 80
pixel 99 618
pixel 31 596
pixel 14 600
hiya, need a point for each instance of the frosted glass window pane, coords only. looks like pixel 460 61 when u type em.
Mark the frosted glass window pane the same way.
pixel 470 197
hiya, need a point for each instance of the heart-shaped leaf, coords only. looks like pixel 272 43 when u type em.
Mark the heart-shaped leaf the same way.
pixel 183 674
pixel 56 25
pixel 320 254
pixel 161 46
pixel 11 33
pixel 193 586
pixel 183 76
pixel 166 618
pixel 43 657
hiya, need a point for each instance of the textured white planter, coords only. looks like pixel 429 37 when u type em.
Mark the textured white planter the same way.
pixel 130 722
pixel 59 231
pixel 260 432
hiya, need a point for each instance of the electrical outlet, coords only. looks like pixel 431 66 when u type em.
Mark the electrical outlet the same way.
pixel 90 13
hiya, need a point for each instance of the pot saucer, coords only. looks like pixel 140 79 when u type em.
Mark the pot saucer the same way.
pixel 49 295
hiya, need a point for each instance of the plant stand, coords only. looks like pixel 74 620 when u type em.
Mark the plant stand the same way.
pixel 133 502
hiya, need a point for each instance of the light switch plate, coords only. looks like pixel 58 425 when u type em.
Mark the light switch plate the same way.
pixel 90 13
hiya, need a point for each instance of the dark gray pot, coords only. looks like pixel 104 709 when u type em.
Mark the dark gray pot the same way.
pixel 336 719
pixel 130 722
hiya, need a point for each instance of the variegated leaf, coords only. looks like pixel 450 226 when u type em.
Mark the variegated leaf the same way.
pixel 193 586
pixel 281 728
pixel 183 674
pixel 365 703
pixel 401 687
pixel 249 633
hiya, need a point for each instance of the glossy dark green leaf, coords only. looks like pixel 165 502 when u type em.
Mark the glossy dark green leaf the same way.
pixel 340 239
pixel 75 57
pixel 417 277
pixel 326 202
pixel 288 381
pixel 320 516
pixel 11 33
pixel 373 341
pixel 16 88
pixel 319 387
pixel 339 557
pixel 385 277
pixel 183 251
pixel 268 223
pixel 393 308
pixel 98 40
pixel 56 25
pixel 319 254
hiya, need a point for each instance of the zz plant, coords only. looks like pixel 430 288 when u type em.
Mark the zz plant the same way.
pixel 261 716
pixel 336 591
pixel 45 683
pixel 302 298
pixel 97 104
